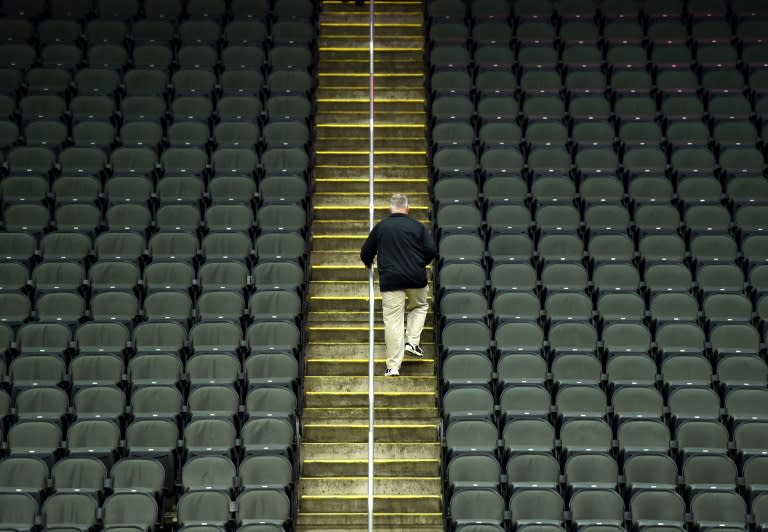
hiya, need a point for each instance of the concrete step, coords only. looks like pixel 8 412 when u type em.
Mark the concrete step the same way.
pixel 359 400
pixel 383 414
pixel 383 110
pixel 407 41
pixel 405 17
pixel 357 350
pixel 359 366
pixel 333 94
pixel 381 172
pixel 362 146
pixel 390 459
pixel 418 202
pixel 349 7
pixel 361 30
pixel 360 213
pixel 357 316
pixel 349 494
pixel 356 521
pixel 383 62
pixel 348 332
pixel 349 384
pixel 357 432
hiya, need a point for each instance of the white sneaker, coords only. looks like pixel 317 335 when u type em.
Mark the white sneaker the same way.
pixel 414 350
pixel 392 373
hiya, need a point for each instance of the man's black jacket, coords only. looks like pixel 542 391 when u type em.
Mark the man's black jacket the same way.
pixel 403 248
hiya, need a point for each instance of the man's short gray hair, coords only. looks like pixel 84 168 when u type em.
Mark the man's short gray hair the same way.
pixel 398 201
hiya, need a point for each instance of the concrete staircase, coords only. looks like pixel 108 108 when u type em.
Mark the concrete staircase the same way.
pixel 333 485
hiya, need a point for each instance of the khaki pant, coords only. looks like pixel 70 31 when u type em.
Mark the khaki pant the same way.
pixel 393 306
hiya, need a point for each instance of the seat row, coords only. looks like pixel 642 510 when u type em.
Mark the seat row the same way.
pixel 111 276
pixel 634 162
pixel 165 336
pixel 101 134
pixel 164 246
pixel 242 104
pixel 603 191
pixel 107 368
pixel 669 339
pixel 138 510
pixel 604 508
pixel 582 402
pixel 696 219
pixel 161 9
pixel 156 402
pixel 150 30
pixel 608 9
pixel 223 190
pixel 90 219
pixel 657 309
pixel 116 57
pixel 28 474
pixel 142 161
pixel 601 249
pixel 621 369
pixel 152 437
pixel 72 308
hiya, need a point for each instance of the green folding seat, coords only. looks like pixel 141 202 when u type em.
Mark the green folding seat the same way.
pixel 535 505
pixel 117 275
pixel 208 473
pixel 155 369
pixel 75 510
pixel 81 475
pixel 156 402
pixel 268 368
pixel 142 475
pixel 155 29
pixel 204 507
pixel 130 510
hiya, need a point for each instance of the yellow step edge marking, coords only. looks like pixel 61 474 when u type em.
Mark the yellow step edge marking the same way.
pixel 394 394
pixel 365 126
pixel 366 25
pixel 375 49
pixel 378 477
pixel 364 75
pixel 365 461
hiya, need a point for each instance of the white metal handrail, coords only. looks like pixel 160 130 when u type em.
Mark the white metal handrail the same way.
pixel 371 309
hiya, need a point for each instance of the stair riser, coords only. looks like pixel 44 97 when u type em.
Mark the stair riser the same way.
pixel 360 400
pixel 359 434
pixel 334 94
pixel 338 274
pixel 348 335
pixel 393 468
pixel 401 522
pixel 359 384
pixel 380 504
pixel 358 486
pixel 394 82
pixel 385 172
pixel 359 214
pixel 383 62
pixel 340 367
pixel 362 30
pixel 358 351
pixel 387 188
pixel 420 412
pixel 382 42
pixel 384 114
pixel 347 7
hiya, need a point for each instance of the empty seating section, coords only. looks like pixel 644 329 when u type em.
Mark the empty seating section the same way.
pixel 156 180
pixel 599 202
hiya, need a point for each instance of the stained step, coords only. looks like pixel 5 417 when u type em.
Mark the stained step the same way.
pixel 356 350
pixel 352 366
pixel 388 414
pixel 351 459
pixel 345 431
pixel 391 522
